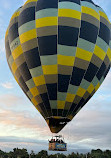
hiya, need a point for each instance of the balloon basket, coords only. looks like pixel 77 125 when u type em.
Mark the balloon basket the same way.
pixel 57 144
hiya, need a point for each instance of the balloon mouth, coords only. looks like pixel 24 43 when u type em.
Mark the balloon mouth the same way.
pixel 57 124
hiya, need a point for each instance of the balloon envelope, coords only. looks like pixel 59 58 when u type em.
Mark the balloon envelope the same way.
pixel 59 53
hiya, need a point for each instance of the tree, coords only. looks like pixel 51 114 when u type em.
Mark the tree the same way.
pixel 42 154
pixel 73 155
pixel 97 153
pixel 22 153
pixel 3 154
pixel 107 154
pixel 32 155
pixel 52 156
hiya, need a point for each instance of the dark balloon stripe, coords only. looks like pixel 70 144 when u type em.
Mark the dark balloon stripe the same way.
pixel 106 35
pixel 32 55
pixel 26 16
pixel 68 35
pixel 75 1
pixel 47 45
pixel 88 31
pixel 13 32
pixel 43 4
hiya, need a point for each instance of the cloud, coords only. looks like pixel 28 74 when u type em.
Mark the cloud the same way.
pixel 7 85
pixel 90 127
pixel 22 119
pixel 10 100
pixel 8 143
pixel 87 130
pixel 2 46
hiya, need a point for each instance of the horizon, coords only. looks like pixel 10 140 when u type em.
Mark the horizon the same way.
pixel 22 126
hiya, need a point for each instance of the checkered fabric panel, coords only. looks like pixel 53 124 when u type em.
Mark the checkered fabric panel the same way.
pixel 46 25
pixel 69 21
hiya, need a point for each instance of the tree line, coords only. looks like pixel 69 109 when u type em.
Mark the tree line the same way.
pixel 23 153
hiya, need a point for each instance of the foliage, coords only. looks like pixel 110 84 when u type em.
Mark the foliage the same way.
pixel 22 153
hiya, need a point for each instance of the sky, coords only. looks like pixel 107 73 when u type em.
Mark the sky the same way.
pixel 21 124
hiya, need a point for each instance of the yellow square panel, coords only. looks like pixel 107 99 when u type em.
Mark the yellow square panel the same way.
pixel 49 69
pixel 66 60
pixel 17 52
pixel 90 88
pixel 81 92
pixel 28 35
pixel 60 104
pixel 83 54
pixel 99 52
pixel 109 53
pixel 97 86
pixel 104 15
pixel 91 12
pixel 39 80
pixel 34 91
pixel 34 101
pixel 47 21
pixel 70 97
pixel 69 13
pixel 6 34
pixel 14 67
pixel 15 15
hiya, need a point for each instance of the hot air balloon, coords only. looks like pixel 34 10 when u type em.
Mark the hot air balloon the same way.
pixel 59 52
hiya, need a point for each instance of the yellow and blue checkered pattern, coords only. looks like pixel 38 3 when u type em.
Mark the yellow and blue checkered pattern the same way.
pixel 59 53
